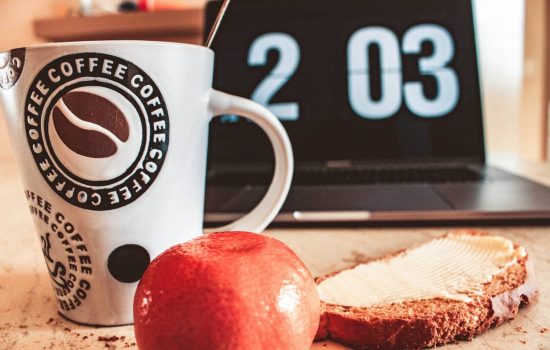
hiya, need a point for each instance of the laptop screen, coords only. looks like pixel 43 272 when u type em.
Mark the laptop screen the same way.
pixel 377 80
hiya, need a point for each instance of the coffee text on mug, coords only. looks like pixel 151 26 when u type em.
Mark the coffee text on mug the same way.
pixel 66 254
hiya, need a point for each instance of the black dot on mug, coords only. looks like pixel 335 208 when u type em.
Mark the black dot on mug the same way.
pixel 127 263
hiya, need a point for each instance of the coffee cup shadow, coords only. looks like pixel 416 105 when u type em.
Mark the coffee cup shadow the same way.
pixel 26 302
pixel 29 310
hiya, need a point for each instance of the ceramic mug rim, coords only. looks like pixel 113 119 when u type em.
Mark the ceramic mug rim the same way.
pixel 124 43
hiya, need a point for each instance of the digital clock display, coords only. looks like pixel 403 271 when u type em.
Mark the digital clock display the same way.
pixel 351 79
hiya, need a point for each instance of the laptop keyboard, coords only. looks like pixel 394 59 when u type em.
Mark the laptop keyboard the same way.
pixel 339 176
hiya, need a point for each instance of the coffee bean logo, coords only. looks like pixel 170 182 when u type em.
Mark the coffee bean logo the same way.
pixel 95 132
pixel 90 125
pixel 11 67
pixel 98 129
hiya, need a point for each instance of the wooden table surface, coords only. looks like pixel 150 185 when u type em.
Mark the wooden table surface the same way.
pixel 28 317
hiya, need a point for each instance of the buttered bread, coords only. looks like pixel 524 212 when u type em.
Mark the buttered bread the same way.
pixel 449 289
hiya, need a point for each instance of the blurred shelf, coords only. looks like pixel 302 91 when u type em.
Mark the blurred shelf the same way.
pixel 175 25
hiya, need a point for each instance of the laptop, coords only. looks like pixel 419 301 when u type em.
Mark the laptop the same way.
pixel 381 100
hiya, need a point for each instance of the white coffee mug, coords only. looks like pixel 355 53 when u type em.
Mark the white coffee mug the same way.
pixel 111 141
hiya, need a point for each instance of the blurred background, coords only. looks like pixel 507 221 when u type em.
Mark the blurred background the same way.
pixel 513 37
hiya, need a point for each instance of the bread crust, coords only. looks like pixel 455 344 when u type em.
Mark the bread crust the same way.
pixel 428 323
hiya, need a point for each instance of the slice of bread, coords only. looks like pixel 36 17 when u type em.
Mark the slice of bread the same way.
pixel 449 289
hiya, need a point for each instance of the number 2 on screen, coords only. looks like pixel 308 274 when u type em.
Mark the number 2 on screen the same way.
pixel 289 59
pixel 393 89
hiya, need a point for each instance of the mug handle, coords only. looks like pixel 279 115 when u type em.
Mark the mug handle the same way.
pixel 262 215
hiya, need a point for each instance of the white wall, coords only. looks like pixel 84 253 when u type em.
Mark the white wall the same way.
pixel 500 29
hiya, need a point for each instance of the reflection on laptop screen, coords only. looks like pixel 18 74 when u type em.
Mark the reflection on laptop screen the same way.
pixel 351 80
